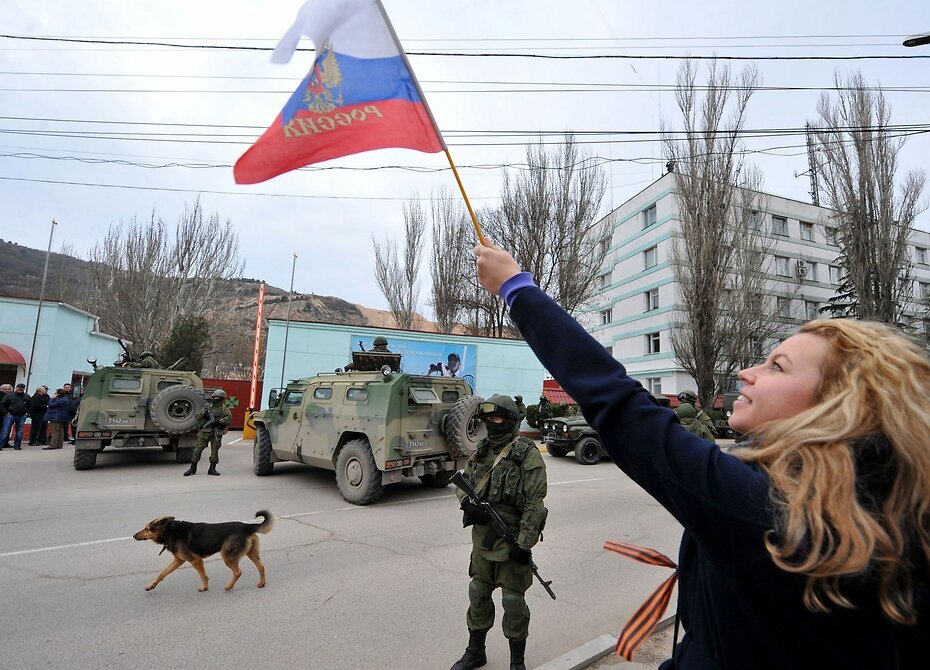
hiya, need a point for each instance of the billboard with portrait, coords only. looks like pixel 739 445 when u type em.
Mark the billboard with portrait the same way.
pixel 420 357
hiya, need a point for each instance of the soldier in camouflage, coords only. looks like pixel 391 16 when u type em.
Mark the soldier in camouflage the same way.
pixel 211 434
pixel 697 420
pixel 521 408
pixel 379 344
pixel 146 360
pixel 509 473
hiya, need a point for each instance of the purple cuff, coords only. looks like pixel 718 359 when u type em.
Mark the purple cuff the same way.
pixel 514 285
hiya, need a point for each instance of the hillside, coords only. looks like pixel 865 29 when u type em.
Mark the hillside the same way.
pixel 21 276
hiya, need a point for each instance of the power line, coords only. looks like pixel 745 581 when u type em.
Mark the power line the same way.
pixel 477 54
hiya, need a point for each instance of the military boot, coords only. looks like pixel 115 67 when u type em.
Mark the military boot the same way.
pixel 474 656
pixel 192 470
pixel 212 470
pixel 517 650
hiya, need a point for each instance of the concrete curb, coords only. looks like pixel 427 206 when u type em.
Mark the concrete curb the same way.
pixel 583 656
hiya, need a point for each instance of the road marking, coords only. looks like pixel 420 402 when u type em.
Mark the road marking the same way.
pixel 350 508
pixel 62 546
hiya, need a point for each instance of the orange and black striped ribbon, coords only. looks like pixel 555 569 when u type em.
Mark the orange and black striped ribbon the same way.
pixel 642 624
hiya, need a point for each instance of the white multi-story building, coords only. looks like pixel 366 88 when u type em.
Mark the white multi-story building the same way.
pixel 637 295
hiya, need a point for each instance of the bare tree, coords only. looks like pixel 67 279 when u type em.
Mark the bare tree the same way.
pixel 548 219
pixel 204 253
pixel 872 219
pixel 450 263
pixel 718 255
pixel 396 272
pixel 144 280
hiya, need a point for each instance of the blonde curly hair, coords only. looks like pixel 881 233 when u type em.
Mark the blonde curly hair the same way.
pixel 874 394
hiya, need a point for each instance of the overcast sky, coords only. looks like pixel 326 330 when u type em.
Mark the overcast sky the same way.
pixel 328 217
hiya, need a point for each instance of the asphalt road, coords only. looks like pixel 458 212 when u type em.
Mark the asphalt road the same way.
pixel 382 586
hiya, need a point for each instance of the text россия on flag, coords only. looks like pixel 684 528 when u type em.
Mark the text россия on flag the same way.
pixel 359 94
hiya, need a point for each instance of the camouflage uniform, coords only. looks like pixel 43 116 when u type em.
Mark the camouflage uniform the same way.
pixel 690 419
pixel 521 407
pixel 146 360
pixel 379 344
pixel 212 435
pixel 516 489
pixel 690 398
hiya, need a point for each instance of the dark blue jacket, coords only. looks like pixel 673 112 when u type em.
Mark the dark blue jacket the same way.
pixel 58 410
pixel 740 611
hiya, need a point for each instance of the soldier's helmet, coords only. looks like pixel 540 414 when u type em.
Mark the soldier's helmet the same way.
pixel 498 405
pixel 686 411
pixel 147 353
pixel 380 341
pixel 688 397
pixel 219 394
pixel 518 398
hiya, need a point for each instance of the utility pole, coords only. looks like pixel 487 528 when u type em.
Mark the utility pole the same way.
pixel 287 325
pixel 35 332
pixel 812 164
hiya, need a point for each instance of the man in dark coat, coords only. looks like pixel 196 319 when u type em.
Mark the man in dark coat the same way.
pixel 38 428
pixel 16 405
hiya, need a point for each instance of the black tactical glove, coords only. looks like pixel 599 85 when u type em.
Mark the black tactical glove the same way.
pixel 473 514
pixel 520 555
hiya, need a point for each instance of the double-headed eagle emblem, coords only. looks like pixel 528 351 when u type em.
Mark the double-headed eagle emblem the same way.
pixel 324 91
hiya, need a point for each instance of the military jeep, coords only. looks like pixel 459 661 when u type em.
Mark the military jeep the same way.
pixel 564 434
pixel 137 407
pixel 372 426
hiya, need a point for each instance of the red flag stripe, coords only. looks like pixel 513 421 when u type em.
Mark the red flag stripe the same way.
pixel 643 623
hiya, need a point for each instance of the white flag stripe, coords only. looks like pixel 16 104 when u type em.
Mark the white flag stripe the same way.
pixel 353 27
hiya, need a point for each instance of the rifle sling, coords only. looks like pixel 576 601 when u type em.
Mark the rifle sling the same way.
pixel 487 475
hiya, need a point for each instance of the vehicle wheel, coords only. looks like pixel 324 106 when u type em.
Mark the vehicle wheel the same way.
pixel 262 461
pixel 184 454
pixel 174 410
pixel 357 476
pixel 463 431
pixel 588 451
pixel 558 452
pixel 85 459
pixel 438 481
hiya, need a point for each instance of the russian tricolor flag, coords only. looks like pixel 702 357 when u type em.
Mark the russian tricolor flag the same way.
pixel 359 95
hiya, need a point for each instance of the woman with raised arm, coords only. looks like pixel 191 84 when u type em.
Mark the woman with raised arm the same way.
pixel 809 548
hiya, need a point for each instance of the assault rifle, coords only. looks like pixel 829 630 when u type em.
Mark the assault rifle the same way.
pixel 211 422
pixel 498 526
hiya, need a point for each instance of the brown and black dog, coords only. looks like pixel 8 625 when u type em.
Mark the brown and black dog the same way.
pixel 193 542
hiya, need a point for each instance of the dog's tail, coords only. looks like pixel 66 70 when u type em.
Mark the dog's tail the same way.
pixel 266 525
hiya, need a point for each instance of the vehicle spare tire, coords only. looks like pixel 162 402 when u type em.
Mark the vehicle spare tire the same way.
pixel 174 410
pixel 463 431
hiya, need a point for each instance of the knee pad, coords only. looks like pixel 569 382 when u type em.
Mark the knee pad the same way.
pixel 514 604
pixel 479 593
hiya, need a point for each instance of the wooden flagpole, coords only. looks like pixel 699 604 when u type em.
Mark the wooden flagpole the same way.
pixel 429 112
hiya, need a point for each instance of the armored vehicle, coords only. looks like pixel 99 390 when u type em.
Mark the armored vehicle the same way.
pixel 137 407
pixel 372 426
pixel 565 434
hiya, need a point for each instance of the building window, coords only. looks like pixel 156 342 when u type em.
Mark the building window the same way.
pixel 807 231
pixel 784 307
pixel 830 234
pixel 781 266
pixel 921 255
pixel 755 260
pixel 610 349
pixel 603 280
pixel 654 384
pixel 605 245
pixel 811 309
pixel 811 271
pixel 834 275
pixel 649 216
pixel 649 257
pixel 780 226
pixel 652 299
pixel 755 220
pixel 607 315
pixel 757 348
pixel 653 345
pixel 924 290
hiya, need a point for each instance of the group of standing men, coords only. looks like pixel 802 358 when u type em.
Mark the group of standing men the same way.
pixel 50 416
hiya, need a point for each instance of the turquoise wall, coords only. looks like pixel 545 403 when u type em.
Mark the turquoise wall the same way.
pixel 504 366
pixel 66 337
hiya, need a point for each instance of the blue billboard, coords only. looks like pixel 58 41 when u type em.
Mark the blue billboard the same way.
pixel 428 358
